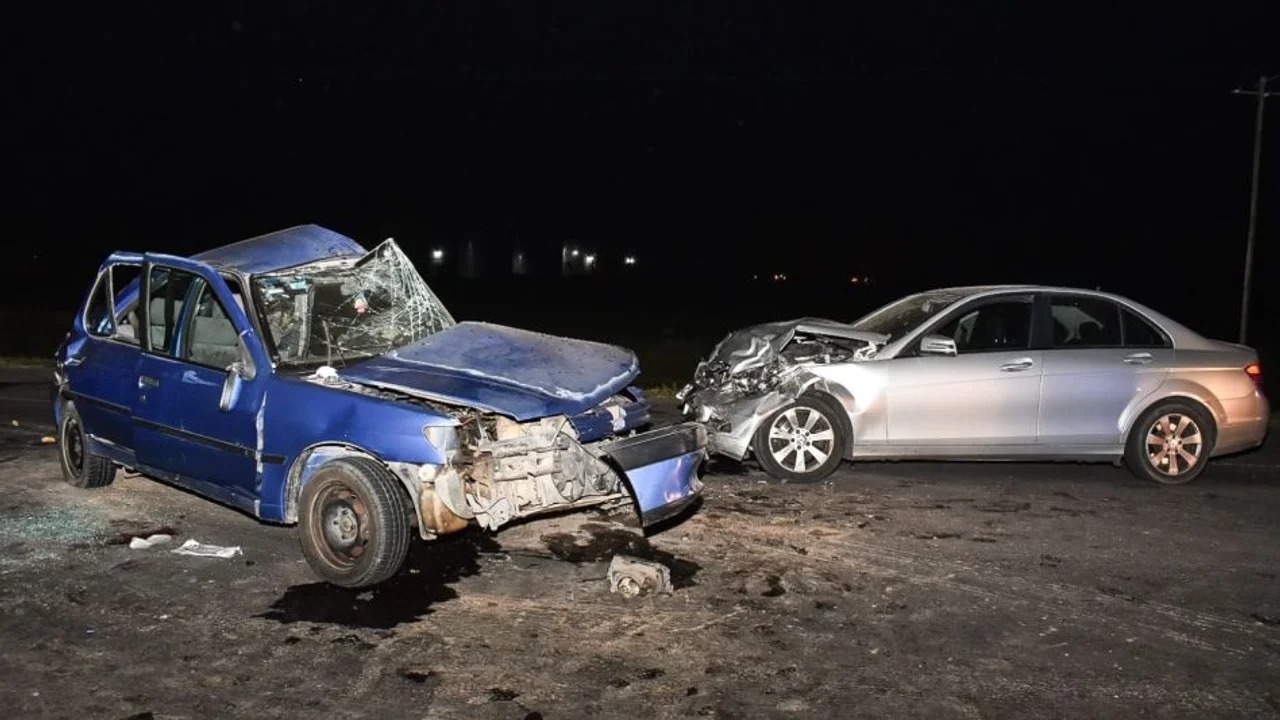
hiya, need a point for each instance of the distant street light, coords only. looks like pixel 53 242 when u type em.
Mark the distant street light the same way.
pixel 437 256
pixel 589 260
pixel 1262 94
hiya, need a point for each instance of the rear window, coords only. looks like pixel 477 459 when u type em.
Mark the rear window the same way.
pixel 1138 332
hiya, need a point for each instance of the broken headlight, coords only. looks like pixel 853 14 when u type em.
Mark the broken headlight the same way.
pixel 443 438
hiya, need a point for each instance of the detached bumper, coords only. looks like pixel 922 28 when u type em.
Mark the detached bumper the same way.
pixel 662 468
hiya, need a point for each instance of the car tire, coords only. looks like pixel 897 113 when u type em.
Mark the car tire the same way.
pixel 80 467
pixel 354 522
pixel 812 453
pixel 1157 448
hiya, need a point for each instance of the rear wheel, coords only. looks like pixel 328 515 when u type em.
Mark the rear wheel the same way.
pixel 1170 443
pixel 803 441
pixel 80 467
pixel 353 522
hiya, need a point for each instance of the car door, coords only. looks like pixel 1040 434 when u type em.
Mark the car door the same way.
pixel 193 322
pixel 988 393
pixel 1101 358
pixel 101 369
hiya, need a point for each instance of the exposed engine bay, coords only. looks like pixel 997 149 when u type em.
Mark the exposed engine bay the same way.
pixel 758 369
pixel 500 469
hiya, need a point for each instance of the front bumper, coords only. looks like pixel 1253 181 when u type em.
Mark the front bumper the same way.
pixel 731 423
pixel 662 468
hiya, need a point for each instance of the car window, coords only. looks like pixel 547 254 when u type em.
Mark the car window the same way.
pixel 167 292
pixel 1000 325
pixel 211 339
pixel 1138 332
pixel 1080 321
pixel 119 283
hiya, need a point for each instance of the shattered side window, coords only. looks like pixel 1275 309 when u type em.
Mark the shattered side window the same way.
pixel 334 312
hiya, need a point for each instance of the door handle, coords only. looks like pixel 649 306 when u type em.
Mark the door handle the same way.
pixel 1138 358
pixel 147 381
pixel 1016 365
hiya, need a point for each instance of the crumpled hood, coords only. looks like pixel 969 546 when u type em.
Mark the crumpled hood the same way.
pixel 519 373
pixel 753 346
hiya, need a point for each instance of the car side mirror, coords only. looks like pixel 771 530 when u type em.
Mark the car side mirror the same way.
pixel 231 386
pixel 937 345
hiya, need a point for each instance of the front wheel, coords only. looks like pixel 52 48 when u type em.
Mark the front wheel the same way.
pixel 353 522
pixel 803 441
pixel 1170 443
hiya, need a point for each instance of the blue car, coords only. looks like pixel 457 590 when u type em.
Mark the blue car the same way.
pixel 305 380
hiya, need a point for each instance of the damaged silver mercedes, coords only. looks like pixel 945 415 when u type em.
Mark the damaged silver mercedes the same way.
pixel 981 373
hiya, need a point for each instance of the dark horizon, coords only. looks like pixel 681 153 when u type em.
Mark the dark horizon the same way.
pixel 925 145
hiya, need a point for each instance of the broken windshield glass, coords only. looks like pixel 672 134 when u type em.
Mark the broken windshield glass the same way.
pixel 334 312
pixel 902 316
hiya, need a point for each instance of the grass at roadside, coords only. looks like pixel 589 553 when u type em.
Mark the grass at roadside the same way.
pixel 25 362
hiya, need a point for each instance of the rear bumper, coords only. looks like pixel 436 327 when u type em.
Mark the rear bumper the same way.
pixel 661 467
pixel 1245 427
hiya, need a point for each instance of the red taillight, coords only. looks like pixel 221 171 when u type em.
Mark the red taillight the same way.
pixel 1254 371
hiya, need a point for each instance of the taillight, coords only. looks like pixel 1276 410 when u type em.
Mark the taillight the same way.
pixel 1254 371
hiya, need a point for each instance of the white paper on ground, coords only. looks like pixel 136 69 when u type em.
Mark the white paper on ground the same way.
pixel 191 547
pixel 150 541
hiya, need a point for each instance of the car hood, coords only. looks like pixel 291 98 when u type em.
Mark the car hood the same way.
pixel 754 346
pixel 519 373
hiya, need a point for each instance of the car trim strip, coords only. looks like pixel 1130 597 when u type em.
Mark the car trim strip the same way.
pixel 117 407
pixel 209 441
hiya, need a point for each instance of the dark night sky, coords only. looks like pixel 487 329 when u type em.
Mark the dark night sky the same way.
pixel 929 142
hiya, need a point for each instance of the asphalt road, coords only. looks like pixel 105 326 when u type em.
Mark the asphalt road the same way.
pixel 894 590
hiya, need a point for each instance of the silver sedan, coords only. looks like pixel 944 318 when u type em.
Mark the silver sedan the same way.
pixel 981 373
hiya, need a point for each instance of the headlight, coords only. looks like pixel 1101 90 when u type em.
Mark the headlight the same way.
pixel 442 437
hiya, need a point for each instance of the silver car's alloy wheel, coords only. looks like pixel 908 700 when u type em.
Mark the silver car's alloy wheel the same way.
pixel 801 439
pixel 1174 444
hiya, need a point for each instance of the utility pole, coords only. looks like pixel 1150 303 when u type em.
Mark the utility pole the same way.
pixel 1262 94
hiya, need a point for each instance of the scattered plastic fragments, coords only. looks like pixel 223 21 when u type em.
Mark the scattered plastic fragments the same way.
pixel 631 577
pixel 191 547
pixel 139 543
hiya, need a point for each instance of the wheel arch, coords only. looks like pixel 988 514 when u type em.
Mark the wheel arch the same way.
pixel 816 385
pixel 314 456
pixel 1175 391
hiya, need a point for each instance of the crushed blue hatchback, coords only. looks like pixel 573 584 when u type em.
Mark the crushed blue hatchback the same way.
pixel 303 379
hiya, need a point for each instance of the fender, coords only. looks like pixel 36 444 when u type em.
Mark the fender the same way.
pixel 1169 390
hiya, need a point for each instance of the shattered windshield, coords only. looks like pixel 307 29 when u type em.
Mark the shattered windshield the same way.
pixel 902 316
pixel 334 312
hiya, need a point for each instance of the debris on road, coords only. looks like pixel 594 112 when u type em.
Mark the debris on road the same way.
pixel 140 543
pixel 631 577
pixel 191 547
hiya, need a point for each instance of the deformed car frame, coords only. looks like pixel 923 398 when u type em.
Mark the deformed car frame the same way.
pixel 302 379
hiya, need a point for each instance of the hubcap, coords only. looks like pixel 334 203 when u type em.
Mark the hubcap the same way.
pixel 343 525
pixel 801 439
pixel 1174 444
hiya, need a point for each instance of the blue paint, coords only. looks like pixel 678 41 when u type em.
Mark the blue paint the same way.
pixel 664 488
pixel 161 415
pixel 515 372
pixel 281 249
